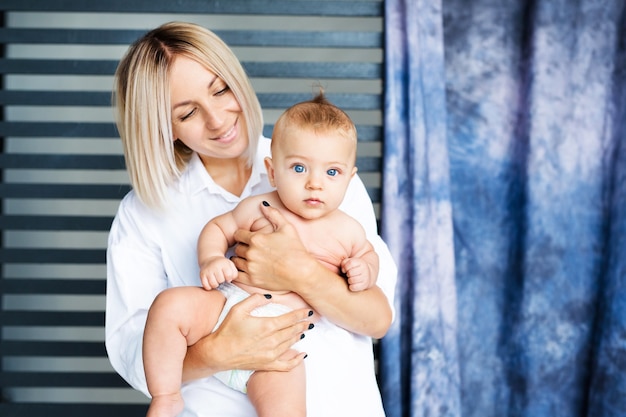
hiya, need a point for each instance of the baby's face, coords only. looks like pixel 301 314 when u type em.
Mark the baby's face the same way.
pixel 312 170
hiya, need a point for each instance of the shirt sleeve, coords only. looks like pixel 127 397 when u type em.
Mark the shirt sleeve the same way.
pixel 135 275
pixel 358 204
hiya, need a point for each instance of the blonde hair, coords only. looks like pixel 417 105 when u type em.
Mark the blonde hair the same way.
pixel 317 114
pixel 143 109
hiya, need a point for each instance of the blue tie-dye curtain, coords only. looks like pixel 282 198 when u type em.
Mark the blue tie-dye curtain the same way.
pixel 504 204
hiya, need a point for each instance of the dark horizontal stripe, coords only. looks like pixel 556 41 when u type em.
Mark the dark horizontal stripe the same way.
pixel 257 7
pixel 71 410
pixel 369 133
pixel 57 67
pixel 61 379
pixel 53 256
pixel 58 129
pixel 60 161
pixel 369 163
pixel 40 222
pixel 54 98
pixel 47 348
pixel 79 191
pixel 321 70
pixel 347 101
pixel 32 286
pixel 269 38
pixel 303 39
pixel 52 318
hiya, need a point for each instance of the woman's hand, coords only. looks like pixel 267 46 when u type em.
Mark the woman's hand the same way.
pixel 276 261
pixel 279 261
pixel 244 341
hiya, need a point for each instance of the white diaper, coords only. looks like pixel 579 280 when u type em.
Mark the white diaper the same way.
pixel 238 378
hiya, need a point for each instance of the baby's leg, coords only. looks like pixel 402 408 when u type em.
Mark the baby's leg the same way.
pixel 278 394
pixel 178 318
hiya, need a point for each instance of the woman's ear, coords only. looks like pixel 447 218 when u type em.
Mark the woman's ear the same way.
pixel 269 166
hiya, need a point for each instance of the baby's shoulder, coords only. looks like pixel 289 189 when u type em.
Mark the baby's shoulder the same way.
pixel 251 206
pixel 348 225
pixel 257 200
pixel 346 219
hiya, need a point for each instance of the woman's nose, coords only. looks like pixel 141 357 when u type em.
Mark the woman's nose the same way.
pixel 213 119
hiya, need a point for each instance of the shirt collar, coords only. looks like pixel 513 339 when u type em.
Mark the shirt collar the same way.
pixel 196 178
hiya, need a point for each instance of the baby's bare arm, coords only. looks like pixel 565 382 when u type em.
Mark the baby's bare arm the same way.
pixel 213 243
pixel 361 267
pixel 215 239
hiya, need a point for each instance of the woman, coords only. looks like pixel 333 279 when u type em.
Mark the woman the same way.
pixel 191 128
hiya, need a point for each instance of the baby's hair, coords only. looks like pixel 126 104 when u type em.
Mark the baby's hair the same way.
pixel 318 114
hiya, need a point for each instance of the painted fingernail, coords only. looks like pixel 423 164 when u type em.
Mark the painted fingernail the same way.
pixel 305 356
pixel 302 336
pixel 266 204
pixel 268 296
pixel 310 313
pixel 311 326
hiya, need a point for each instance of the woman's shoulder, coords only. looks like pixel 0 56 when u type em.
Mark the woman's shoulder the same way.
pixel 131 212
pixel 132 204
pixel 134 214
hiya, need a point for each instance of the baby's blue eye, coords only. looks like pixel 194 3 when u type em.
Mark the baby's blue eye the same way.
pixel 332 172
pixel 298 168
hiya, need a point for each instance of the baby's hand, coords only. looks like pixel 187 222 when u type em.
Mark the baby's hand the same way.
pixel 359 274
pixel 217 270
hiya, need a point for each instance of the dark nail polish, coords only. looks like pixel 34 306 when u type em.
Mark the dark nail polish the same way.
pixel 302 336
pixel 268 296
pixel 305 356
pixel 310 313
pixel 311 325
pixel 266 204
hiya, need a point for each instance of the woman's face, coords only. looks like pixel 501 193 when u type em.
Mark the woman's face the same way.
pixel 206 116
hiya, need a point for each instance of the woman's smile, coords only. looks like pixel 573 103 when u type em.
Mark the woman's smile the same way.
pixel 230 135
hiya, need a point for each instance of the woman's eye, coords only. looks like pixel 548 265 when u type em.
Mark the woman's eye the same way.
pixel 222 91
pixel 332 172
pixel 298 168
pixel 187 115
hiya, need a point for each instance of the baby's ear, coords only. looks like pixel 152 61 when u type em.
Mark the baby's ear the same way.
pixel 269 166
pixel 354 170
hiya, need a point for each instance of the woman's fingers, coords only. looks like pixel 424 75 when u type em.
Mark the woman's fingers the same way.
pixel 268 260
pixel 274 216
pixel 263 341
pixel 289 360
pixel 294 321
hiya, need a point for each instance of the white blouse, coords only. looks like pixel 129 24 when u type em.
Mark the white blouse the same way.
pixel 150 250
